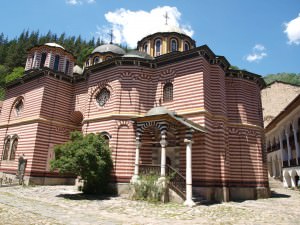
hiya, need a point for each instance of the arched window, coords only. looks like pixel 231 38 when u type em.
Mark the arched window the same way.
pixel 157 47
pixel 106 136
pixel 56 63
pixel 174 45
pixel 145 47
pixel 67 67
pixel 87 63
pixel 186 46
pixel 96 60
pixel 13 149
pixel 19 106
pixel 103 96
pixel 6 148
pixel 108 57
pixel 168 92
pixel 43 59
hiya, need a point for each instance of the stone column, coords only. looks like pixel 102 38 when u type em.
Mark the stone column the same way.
pixel 189 201
pixel 288 145
pixel 295 129
pixel 135 176
pixel 163 144
pixel 34 64
pixel 281 149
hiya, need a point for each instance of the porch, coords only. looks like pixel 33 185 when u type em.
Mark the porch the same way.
pixel 163 139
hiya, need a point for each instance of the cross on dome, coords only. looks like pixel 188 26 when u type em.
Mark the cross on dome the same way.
pixel 111 36
pixel 166 16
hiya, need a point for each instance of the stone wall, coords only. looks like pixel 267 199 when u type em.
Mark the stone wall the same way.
pixel 275 98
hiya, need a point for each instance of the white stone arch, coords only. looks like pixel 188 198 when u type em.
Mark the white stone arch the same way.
pixel 287 179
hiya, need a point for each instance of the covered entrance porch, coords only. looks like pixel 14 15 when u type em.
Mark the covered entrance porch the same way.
pixel 164 146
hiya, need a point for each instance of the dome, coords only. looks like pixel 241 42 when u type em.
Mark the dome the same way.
pixel 158 111
pixel 169 28
pixel 77 69
pixel 55 45
pixel 109 48
pixel 138 54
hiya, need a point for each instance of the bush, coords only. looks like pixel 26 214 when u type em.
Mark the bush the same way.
pixel 88 157
pixel 148 188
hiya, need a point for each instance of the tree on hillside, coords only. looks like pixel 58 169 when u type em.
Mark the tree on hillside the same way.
pixel 88 157
pixel 291 78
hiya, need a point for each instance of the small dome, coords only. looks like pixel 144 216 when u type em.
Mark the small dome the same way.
pixel 109 48
pixel 159 111
pixel 138 54
pixel 77 69
pixel 55 45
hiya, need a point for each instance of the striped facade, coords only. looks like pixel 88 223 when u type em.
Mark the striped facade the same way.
pixel 227 159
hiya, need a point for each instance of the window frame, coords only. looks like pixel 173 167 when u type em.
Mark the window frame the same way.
pixel 106 98
pixel 168 92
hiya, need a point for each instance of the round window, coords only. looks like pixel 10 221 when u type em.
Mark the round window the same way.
pixel 103 96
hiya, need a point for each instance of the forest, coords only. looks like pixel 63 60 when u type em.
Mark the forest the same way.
pixel 13 55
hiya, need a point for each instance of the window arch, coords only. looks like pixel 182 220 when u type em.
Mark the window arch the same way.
pixel 168 92
pixel 6 148
pixel 186 46
pixel 174 45
pixel 145 47
pixel 87 63
pixel 13 148
pixel 56 63
pixel 67 67
pixel 43 59
pixel 19 106
pixel 96 60
pixel 157 47
pixel 103 96
pixel 106 136
pixel 10 147
pixel 108 57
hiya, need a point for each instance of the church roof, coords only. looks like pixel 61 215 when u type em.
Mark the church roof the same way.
pixel 138 54
pixel 162 111
pixel 77 69
pixel 109 48
pixel 54 45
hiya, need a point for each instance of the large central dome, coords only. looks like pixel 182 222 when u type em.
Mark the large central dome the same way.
pixel 109 48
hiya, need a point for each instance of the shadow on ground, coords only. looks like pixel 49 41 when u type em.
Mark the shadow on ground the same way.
pixel 274 194
pixel 80 196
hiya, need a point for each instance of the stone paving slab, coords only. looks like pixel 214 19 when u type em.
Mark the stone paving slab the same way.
pixel 65 205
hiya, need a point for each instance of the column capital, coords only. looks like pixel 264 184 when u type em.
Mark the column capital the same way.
pixel 188 141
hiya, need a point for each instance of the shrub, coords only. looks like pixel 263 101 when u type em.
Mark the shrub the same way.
pixel 148 188
pixel 88 157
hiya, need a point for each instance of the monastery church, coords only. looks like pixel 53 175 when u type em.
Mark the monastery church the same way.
pixel 168 107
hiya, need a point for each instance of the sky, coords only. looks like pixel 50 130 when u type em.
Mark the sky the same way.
pixel 261 36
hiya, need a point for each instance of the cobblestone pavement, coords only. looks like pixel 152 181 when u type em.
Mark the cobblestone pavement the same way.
pixel 64 205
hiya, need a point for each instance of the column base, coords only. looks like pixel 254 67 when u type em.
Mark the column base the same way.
pixel 189 203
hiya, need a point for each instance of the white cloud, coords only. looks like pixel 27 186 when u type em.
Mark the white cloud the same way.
pixel 79 2
pixel 131 26
pixel 258 53
pixel 259 47
pixel 292 30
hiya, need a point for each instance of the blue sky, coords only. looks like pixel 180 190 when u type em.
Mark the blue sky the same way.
pixel 250 33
